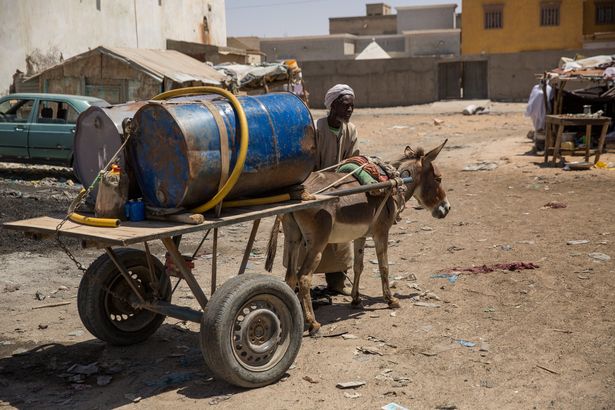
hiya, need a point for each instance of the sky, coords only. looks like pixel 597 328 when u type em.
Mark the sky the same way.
pixel 278 18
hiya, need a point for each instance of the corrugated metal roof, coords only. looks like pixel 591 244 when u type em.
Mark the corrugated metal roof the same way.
pixel 167 63
pixel 159 64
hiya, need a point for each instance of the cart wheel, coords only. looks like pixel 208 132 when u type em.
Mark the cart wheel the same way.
pixel 251 330
pixel 104 298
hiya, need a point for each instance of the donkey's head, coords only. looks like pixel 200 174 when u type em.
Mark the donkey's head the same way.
pixel 426 186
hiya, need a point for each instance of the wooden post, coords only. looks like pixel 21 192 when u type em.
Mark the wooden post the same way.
pixel 605 128
pixel 558 142
pixel 588 140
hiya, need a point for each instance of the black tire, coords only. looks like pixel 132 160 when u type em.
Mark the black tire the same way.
pixel 251 330
pixel 104 295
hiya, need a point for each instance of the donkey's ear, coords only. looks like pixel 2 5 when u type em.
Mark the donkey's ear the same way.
pixel 409 152
pixel 431 155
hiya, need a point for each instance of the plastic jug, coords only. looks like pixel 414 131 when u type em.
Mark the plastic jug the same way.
pixel 112 194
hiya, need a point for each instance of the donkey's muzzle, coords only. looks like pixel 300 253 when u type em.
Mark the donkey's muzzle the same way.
pixel 441 210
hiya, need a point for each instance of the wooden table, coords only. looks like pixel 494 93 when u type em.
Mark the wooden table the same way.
pixel 562 121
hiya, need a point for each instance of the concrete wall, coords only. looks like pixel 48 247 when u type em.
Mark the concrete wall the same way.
pixel 47 31
pixel 377 83
pixel 363 25
pixel 407 81
pixel 432 42
pixel 512 76
pixel 309 48
pixel 388 43
pixel 426 17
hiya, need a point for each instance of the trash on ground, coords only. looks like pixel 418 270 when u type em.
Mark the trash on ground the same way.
pixel 599 256
pixel 426 304
pixel 437 121
pixel 577 242
pixel 554 205
pixel 484 347
pixel 350 385
pixel 465 343
pixel 452 277
pixel 511 266
pixel 473 109
pixel 76 333
pixel 349 336
pixel 354 395
pixel 393 406
pixel 369 350
pixel 480 166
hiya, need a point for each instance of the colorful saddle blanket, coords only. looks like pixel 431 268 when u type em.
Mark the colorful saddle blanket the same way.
pixel 374 169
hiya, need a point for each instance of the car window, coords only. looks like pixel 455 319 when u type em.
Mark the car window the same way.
pixel 56 112
pixel 16 110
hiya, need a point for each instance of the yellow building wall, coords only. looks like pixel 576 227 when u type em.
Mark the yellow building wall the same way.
pixel 521 29
pixel 589 20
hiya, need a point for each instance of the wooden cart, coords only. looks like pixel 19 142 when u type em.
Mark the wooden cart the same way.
pixel 251 326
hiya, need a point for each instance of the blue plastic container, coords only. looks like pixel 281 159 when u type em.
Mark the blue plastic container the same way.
pixel 175 150
pixel 135 211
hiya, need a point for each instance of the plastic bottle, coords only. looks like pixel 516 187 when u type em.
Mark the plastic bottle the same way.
pixel 112 194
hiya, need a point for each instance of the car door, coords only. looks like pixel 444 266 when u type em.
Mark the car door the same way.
pixel 15 114
pixel 52 133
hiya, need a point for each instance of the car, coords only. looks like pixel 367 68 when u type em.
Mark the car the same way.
pixel 39 128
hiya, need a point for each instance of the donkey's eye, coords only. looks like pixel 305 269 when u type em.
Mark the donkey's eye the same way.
pixel 438 179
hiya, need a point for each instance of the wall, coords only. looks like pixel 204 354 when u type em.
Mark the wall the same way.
pixel 101 76
pixel 589 19
pixel 309 48
pixel 394 43
pixel 70 27
pixel 363 25
pixel 432 42
pixel 521 29
pixel 426 17
pixel 377 83
pixel 512 76
pixel 407 81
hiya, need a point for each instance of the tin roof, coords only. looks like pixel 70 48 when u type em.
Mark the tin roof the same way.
pixel 159 64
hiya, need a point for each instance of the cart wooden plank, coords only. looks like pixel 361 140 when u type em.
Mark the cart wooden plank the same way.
pixel 135 232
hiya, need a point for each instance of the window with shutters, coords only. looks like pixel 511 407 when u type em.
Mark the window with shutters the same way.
pixel 494 17
pixel 605 12
pixel 549 14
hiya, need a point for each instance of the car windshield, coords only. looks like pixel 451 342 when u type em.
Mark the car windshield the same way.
pixel 17 109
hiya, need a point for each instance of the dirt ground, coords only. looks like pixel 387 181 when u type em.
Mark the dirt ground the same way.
pixel 539 338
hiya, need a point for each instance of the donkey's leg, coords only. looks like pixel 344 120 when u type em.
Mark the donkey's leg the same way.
pixel 357 268
pixel 293 249
pixel 315 230
pixel 381 240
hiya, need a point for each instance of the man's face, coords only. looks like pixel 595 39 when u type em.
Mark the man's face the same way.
pixel 343 107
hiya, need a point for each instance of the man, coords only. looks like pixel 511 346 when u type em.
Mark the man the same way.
pixel 336 140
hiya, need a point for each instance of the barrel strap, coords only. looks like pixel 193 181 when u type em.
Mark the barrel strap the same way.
pixel 225 161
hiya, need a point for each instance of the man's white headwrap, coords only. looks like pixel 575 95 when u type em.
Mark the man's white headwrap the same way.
pixel 335 92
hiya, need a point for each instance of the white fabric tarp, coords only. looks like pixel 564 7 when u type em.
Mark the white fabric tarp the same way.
pixel 536 106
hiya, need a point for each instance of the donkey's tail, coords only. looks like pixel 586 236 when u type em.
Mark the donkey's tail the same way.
pixel 272 245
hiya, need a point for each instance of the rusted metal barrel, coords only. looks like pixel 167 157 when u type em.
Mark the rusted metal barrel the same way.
pixel 176 147
pixel 98 136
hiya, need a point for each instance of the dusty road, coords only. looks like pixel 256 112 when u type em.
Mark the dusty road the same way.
pixel 537 338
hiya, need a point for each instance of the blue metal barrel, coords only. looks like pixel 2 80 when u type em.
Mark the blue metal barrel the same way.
pixel 175 149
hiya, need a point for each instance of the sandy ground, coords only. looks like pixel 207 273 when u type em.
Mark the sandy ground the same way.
pixel 541 338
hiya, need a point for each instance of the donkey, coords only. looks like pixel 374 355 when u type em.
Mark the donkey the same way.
pixel 353 218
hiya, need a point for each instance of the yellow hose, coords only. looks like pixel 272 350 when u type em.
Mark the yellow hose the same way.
pixel 100 222
pixel 256 201
pixel 243 139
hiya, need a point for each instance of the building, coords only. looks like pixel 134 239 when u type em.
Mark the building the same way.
pixel 36 34
pixel 512 26
pixel 413 32
pixel 124 74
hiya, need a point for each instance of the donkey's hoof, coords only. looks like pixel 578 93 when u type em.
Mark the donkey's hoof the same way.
pixel 315 331
pixel 356 304
pixel 394 303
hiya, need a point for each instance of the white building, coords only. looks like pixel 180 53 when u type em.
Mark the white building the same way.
pixel 35 34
